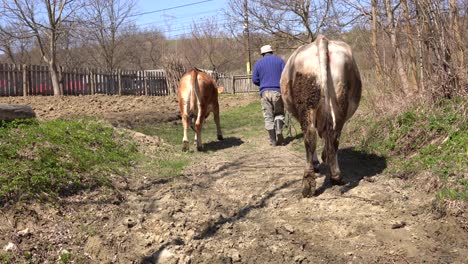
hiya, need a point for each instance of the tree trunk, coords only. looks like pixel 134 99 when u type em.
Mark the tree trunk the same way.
pixel 375 50
pixel 412 52
pixel 419 29
pixel 461 70
pixel 10 112
pixel 398 57
pixel 54 77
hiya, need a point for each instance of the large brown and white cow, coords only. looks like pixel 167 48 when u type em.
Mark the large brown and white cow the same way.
pixel 198 97
pixel 321 88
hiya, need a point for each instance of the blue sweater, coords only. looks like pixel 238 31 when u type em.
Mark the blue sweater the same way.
pixel 267 73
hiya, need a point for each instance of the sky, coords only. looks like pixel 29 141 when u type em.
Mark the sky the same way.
pixel 175 17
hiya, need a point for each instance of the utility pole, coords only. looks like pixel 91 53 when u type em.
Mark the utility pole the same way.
pixel 247 37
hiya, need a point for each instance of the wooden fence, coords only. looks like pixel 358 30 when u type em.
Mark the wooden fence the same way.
pixel 237 84
pixel 23 80
pixel 20 80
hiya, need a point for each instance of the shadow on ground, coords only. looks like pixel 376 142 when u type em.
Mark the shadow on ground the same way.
pixel 213 228
pixel 242 212
pixel 355 165
pixel 290 139
pixel 228 142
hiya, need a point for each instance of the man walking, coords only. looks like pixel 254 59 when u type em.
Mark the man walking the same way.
pixel 267 74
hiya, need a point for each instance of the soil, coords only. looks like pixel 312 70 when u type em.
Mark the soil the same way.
pixel 122 111
pixel 240 204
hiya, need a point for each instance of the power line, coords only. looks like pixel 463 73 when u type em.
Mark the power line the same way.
pixel 183 20
pixel 180 26
pixel 180 19
pixel 169 8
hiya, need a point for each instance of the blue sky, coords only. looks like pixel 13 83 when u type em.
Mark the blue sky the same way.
pixel 177 20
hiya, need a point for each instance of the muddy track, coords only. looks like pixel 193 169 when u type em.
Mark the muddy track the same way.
pixel 243 204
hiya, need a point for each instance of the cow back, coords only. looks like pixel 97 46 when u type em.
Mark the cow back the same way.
pixel 303 90
pixel 208 93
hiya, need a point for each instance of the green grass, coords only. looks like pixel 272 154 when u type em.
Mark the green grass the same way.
pixel 63 157
pixel 65 257
pixel 241 122
pixel 166 162
pixel 424 138
pixel 59 157
pixel 5 257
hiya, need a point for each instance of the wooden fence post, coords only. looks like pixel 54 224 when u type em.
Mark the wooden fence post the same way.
pixel 60 77
pixel 119 79
pixel 90 80
pixel 233 85
pixel 13 79
pixel 7 79
pixel 145 81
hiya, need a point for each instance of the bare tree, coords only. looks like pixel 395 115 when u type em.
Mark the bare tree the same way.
pixel 455 24
pixel 174 70
pixel 154 46
pixel 105 20
pixel 141 49
pixel 297 21
pixel 375 49
pixel 211 46
pixel 7 44
pixel 392 31
pixel 46 20
pixel 410 44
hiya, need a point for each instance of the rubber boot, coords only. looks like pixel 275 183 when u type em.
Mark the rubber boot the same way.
pixel 279 132
pixel 272 135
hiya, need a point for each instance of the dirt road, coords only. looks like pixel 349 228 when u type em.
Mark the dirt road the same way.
pixel 243 204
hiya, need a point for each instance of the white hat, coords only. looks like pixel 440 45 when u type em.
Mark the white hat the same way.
pixel 265 49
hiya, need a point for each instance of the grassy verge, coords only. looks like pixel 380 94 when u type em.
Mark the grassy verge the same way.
pixel 245 122
pixel 164 163
pixel 238 124
pixel 59 157
pixel 423 138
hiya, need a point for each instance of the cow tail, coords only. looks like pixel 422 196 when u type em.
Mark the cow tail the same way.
pixel 326 79
pixel 329 92
pixel 195 92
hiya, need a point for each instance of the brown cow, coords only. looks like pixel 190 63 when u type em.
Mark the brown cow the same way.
pixel 321 88
pixel 198 96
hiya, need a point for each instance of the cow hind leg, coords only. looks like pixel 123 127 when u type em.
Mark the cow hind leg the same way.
pixel 308 182
pixel 185 124
pixel 198 130
pixel 331 157
pixel 217 122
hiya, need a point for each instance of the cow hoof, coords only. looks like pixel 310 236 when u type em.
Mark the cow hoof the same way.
pixel 220 137
pixel 199 148
pixel 316 166
pixel 308 187
pixel 185 147
pixel 337 180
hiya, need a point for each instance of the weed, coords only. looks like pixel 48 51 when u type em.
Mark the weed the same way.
pixel 430 138
pixel 5 257
pixel 65 256
pixel 59 157
pixel 453 193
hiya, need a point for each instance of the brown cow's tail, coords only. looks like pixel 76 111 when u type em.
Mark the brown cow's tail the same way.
pixel 328 89
pixel 195 93
pixel 326 81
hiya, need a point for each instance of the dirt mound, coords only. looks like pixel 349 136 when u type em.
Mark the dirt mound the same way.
pixel 126 111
